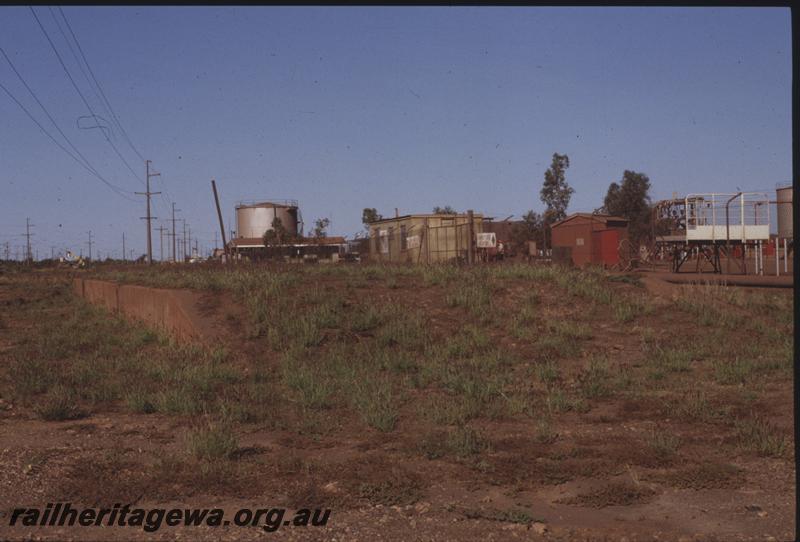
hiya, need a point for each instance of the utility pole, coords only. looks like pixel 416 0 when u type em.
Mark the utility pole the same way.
pixel 90 244
pixel 184 239
pixel 149 218
pixel 174 255
pixel 123 247
pixel 221 225
pixel 161 242
pixel 8 250
pixel 28 235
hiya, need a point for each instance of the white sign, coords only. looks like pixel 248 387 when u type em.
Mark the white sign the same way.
pixel 383 237
pixel 579 241
pixel 412 241
pixel 487 240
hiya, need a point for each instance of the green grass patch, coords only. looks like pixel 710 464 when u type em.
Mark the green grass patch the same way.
pixel 213 442
pixel 762 437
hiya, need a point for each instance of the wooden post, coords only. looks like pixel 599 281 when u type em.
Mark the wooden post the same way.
pixel 427 243
pixel 219 215
pixel 471 238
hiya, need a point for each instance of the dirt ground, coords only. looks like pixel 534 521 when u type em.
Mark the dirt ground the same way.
pixel 590 441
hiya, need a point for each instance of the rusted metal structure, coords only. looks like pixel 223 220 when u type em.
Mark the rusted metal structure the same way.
pixel 785 213
pixel 253 248
pixel 586 238
pixel 505 246
pixel 784 203
pixel 705 227
pixel 425 238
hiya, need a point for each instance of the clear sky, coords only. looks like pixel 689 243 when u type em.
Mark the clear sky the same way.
pixel 346 108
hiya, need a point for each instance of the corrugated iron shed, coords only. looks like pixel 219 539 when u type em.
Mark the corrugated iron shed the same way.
pixel 591 238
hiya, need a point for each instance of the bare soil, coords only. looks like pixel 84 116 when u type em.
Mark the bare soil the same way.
pixel 592 477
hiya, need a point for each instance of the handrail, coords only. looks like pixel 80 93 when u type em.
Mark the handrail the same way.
pixel 274 201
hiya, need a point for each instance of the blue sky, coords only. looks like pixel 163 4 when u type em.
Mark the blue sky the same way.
pixel 346 108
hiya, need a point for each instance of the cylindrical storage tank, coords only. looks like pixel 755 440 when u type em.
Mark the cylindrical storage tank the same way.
pixel 253 220
pixel 785 230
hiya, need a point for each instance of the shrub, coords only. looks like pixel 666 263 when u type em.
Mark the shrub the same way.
pixel 213 442
pixel 58 405
pixel 760 436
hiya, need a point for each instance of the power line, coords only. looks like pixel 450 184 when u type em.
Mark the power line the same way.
pixel 78 90
pixel 119 191
pixel 99 87
pixel 88 164
pixel 77 61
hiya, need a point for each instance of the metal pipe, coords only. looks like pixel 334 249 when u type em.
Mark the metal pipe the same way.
pixel 755 257
pixel 777 259
pixel 728 229
pixel 758 264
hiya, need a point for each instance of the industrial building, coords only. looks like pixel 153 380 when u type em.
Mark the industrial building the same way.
pixel 424 238
pixel 585 238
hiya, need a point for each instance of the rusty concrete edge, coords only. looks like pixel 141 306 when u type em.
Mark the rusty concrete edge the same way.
pixel 79 288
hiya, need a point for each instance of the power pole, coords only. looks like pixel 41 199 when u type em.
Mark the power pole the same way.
pixel 221 225
pixel 123 247
pixel 8 250
pixel 161 242
pixel 149 218
pixel 28 235
pixel 90 244
pixel 174 255
pixel 184 239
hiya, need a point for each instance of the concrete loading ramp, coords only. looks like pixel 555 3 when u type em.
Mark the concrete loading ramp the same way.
pixel 177 312
pixel 753 281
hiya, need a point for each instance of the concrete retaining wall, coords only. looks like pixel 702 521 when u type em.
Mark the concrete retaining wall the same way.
pixel 172 311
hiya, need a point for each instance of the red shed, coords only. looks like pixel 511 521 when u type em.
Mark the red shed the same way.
pixel 591 238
